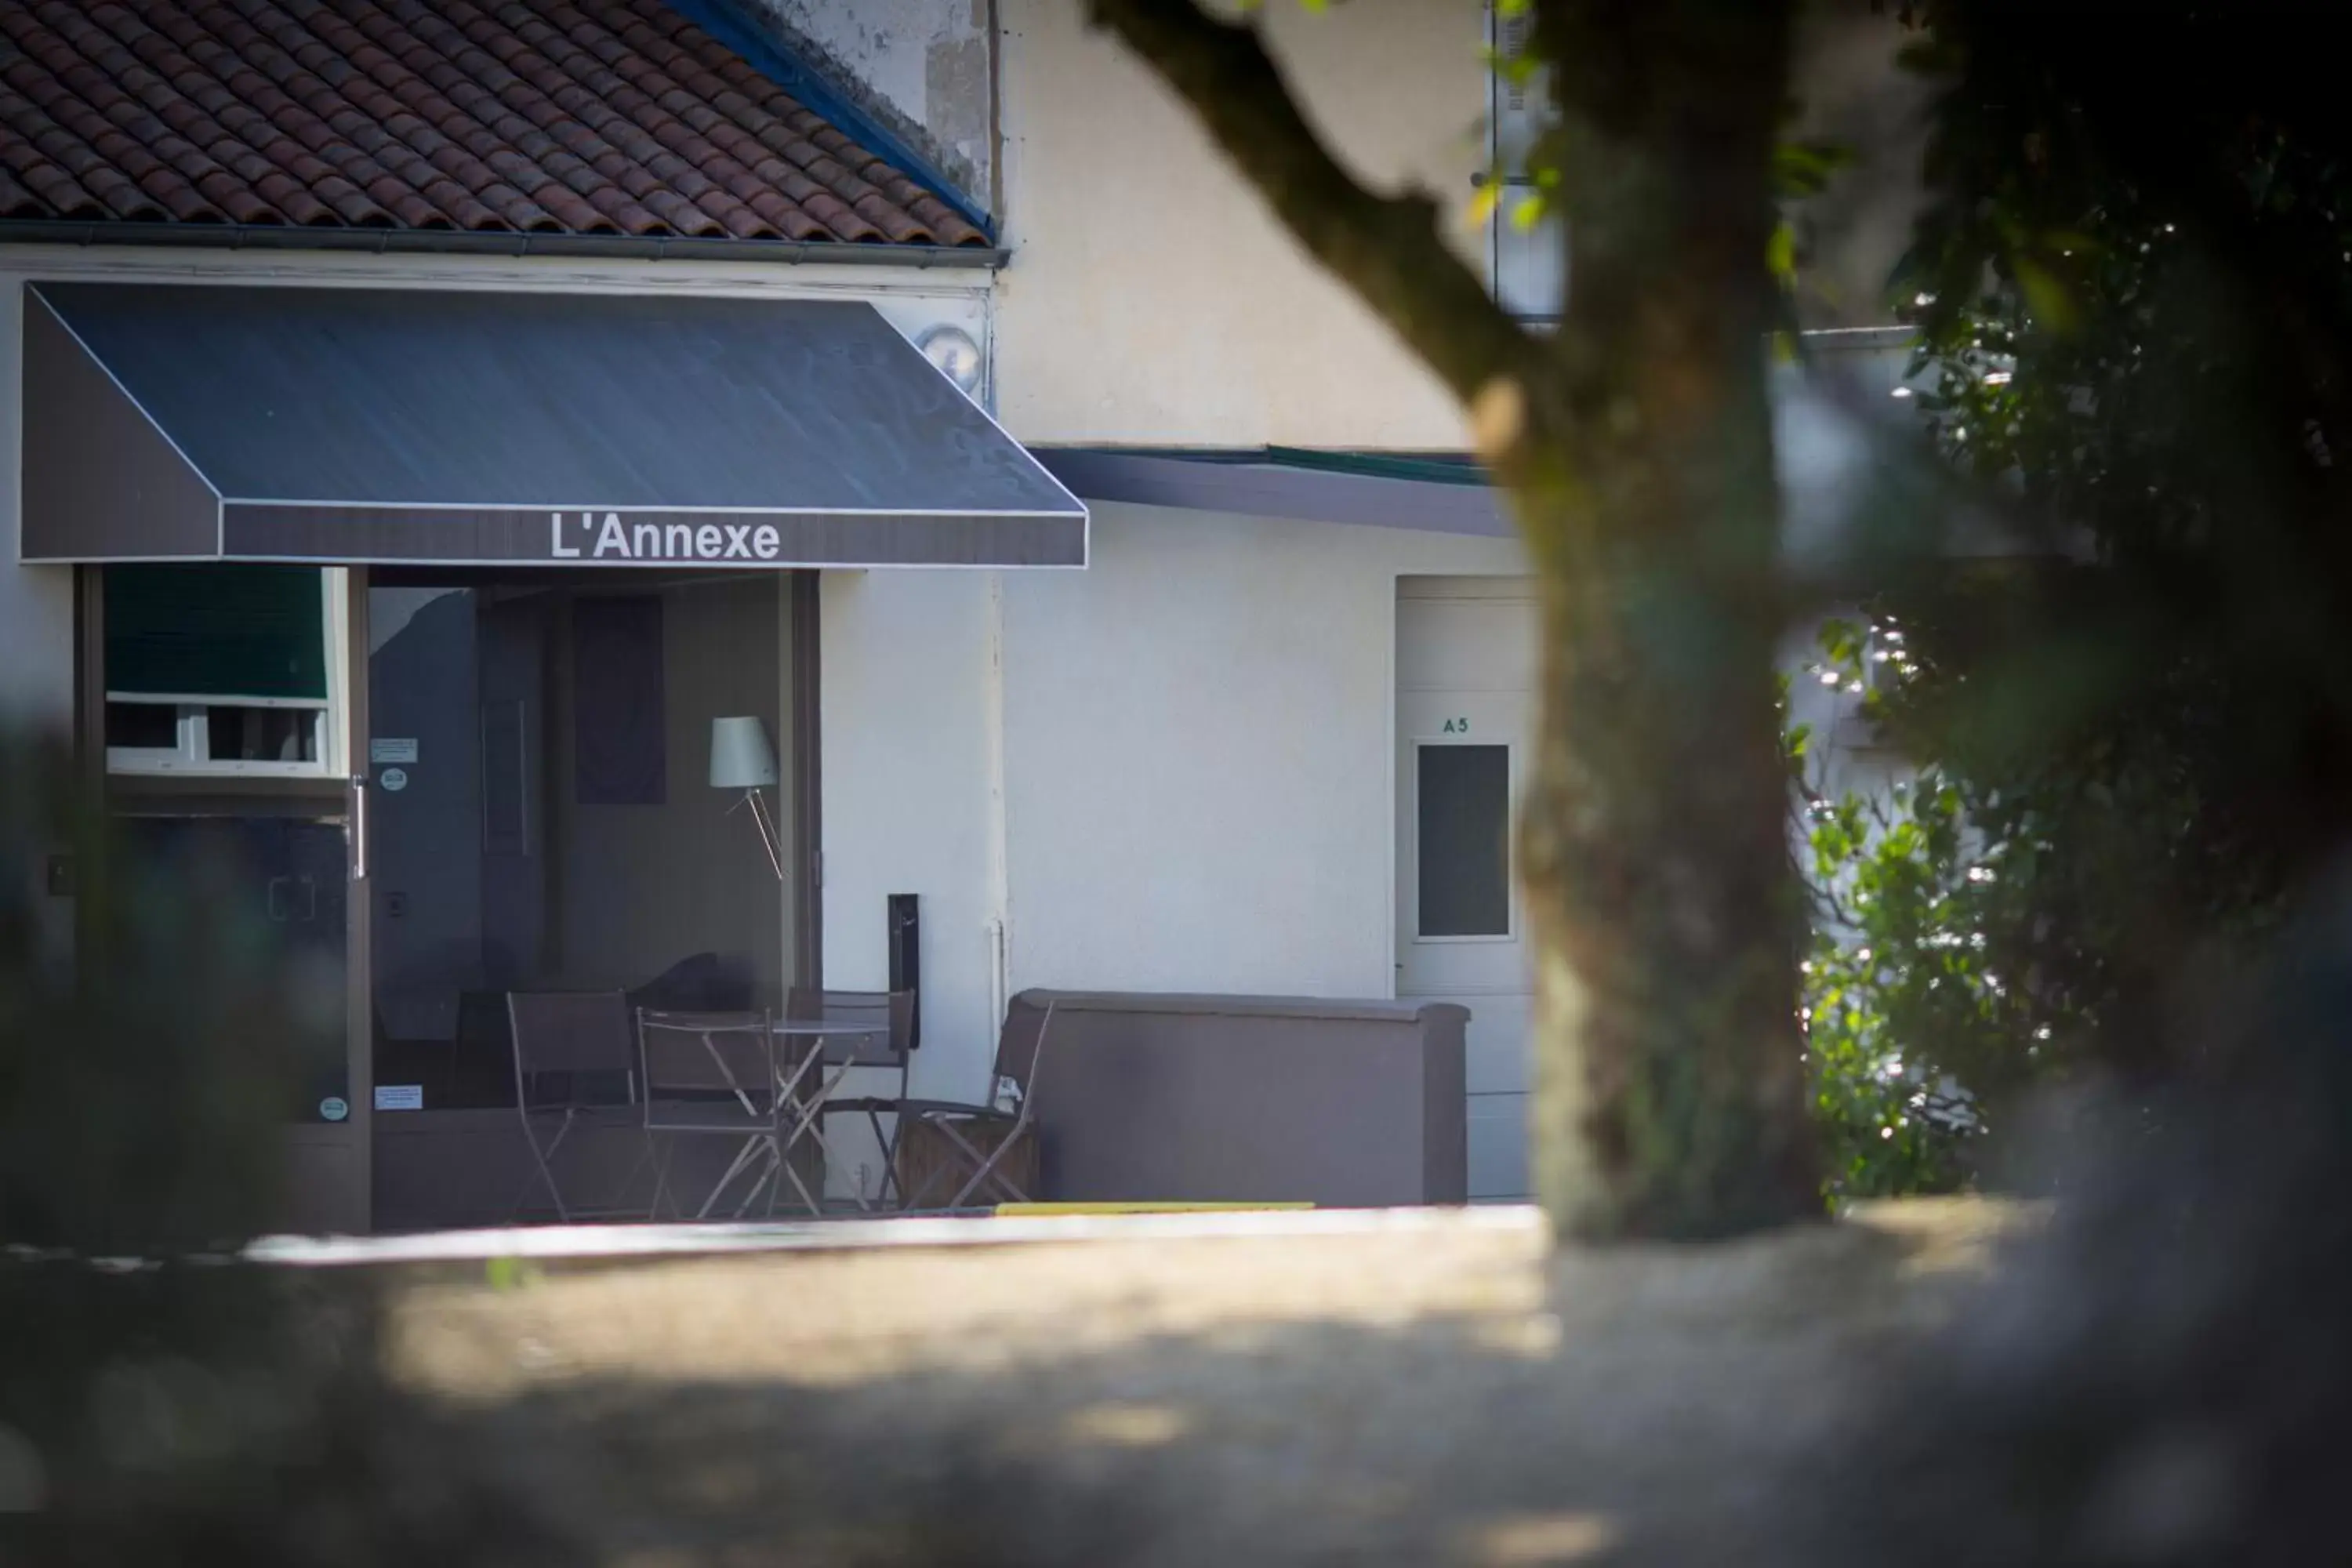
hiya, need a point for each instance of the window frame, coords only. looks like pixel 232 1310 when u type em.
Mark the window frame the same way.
pixel 192 757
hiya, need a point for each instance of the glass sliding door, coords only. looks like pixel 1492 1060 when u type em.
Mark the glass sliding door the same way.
pixel 540 818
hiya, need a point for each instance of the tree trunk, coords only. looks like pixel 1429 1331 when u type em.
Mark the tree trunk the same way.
pixel 1670 1093
pixel 1670 1096
pixel 1670 1089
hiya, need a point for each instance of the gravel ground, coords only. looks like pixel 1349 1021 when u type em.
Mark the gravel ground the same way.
pixel 1459 1393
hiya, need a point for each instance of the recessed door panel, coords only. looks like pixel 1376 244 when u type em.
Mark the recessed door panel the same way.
pixel 1465 705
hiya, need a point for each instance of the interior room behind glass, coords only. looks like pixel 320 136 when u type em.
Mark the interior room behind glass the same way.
pixel 543 814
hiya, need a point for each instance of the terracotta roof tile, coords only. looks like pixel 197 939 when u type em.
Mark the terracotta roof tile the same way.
pixel 528 116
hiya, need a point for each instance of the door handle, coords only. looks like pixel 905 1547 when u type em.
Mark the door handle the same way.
pixel 359 828
pixel 277 905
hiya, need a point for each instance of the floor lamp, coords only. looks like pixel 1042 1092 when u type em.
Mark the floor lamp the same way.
pixel 742 758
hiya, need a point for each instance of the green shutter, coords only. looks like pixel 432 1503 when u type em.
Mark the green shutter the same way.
pixel 216 630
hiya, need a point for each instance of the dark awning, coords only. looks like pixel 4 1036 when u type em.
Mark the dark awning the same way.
pixel 470 429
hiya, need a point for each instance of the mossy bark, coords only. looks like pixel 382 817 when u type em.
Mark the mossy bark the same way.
pixel 1669 1092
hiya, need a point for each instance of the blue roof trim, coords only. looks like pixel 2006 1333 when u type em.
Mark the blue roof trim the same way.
pixel 1425 467
pixel 728 23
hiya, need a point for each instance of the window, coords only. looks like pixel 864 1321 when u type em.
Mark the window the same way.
pixel 218 669
pixel 1465 840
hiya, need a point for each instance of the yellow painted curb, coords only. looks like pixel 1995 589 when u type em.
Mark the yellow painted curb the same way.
pixel 1029 1211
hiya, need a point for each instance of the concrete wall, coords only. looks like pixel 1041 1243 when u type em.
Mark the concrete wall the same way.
pixel 907 774
pixel 1200 735
pixel 1247 1099
pixel 1190 742
pixel 910 777
pixel 1152 298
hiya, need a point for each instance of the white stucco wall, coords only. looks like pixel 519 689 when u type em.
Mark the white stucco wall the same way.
pixel 1197 766
pixel 904 748
pixel 1192 740
pixel 1201 740
pixel 1152 298
pixel 35 602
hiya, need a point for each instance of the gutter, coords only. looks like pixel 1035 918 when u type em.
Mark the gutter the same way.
pixel 464 242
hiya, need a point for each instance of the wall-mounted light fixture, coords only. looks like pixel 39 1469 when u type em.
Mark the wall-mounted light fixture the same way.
pixel 955 355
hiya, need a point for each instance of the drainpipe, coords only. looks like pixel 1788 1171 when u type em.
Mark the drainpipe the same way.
pixel 998 926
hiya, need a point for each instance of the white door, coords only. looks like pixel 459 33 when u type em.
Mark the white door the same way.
pixel 1466 716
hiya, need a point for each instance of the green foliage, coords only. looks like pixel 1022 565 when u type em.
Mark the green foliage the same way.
pixel 1801 168
pixel 156 1407
pixel 2128 741
pixel 1912 1030
pixel 2004 915
pixel 145 1039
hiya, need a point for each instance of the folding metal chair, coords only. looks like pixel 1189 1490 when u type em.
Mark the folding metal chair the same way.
pixel 569 1046
pixel 1020 1056
pixel 715 1074
pixel 892 1009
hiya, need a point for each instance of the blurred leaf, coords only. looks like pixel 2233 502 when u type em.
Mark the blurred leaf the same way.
pixel 2046 295
pixel 1804 168
pixel 509 1272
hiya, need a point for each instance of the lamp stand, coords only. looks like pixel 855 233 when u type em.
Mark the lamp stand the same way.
pixel 768 837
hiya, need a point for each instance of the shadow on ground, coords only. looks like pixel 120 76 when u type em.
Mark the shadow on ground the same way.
pixel 1417 1399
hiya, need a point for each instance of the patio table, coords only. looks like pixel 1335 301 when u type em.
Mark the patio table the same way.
pixel 810 1123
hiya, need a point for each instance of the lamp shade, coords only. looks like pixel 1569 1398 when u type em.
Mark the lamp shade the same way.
pixel 740 755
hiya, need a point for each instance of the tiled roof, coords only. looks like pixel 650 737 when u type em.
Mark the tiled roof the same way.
pixel 581 117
